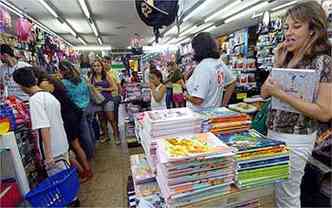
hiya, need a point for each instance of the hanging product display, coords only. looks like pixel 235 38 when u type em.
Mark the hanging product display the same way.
pixel 5 20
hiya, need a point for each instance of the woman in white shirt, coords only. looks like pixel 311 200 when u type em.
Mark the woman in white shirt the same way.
pixel 210 78
pixel 158 90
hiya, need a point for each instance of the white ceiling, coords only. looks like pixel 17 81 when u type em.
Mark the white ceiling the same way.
pixel 117 20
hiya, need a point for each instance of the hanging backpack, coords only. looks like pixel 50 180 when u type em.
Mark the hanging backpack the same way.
pixel 157 13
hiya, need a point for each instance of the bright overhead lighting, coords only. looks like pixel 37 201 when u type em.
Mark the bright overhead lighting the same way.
pixel 209 29
pixel 50 9
pixel 94 29
pixel 195 29
pixel 247 12
pixel 93 48
pixel 172 30
pixel 82 41
pixel 100 41
pixel 224 11
pixel 257 15
pixel 197 9
pixel 84 8
pixel 284 6
pixel 70 29
pixel 184 41
pixel 12 9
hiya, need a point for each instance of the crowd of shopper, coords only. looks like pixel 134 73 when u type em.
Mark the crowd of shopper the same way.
pixel 64 109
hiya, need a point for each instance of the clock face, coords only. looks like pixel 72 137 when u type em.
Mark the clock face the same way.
pixel 266 18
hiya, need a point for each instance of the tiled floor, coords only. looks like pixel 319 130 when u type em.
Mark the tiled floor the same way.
pixel 108 188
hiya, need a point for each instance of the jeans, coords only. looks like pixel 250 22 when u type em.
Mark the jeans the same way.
pixel 169 100
pixel 87 137
pixel 300 146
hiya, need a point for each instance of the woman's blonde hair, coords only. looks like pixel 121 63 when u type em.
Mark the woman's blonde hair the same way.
pixel 319 44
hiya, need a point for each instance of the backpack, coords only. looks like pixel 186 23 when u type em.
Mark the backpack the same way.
pixel 157 13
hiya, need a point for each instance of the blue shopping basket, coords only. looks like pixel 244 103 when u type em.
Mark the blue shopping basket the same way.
pixel 58 190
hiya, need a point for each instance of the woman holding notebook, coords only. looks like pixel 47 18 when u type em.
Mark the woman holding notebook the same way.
pixel 306 47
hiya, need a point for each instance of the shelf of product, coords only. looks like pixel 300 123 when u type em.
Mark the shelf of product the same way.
pixel 268 39
pixel 187 64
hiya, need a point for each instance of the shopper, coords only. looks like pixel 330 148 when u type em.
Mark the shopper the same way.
pixel 45 112
pixel 78 92
pixel 175 78
pixel 158 90
pixel 169 90
pixel 306 47
pixel 210 77
pixel 10 64
pixel 71 116
pixel 116 95
pixel 106 85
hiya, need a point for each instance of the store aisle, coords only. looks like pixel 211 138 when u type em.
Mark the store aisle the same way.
pixel 108 188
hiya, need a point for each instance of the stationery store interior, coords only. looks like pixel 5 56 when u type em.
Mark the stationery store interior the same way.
pixel 162 104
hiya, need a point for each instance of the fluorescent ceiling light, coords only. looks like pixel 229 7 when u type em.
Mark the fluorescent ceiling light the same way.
pixel 70 29
pixel 197 9
pixel 284 6
pixel 94 29
pixel 171 31
pixel 209 29
pixel 50 9
pixel 84 8
pixel 184 41
pixel 257 15
pixel 247 12
pixel 82 41
pixel 195 29
pixel 100 41
pixel 225 10
pixel 93 48
pixel 13 9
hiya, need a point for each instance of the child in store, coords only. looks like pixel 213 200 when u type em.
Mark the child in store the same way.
pixel 45 112
pixel 158 91
pixel 177 84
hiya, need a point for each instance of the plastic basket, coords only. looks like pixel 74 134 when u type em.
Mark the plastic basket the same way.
pixel 57 190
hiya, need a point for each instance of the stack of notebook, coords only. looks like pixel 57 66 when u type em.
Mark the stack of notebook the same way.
pixel 223 120
pixel 146 188
pixel 260 160
pixel 167 123
pixel 193 168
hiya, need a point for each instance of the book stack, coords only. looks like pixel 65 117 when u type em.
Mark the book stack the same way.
pixel 167 123
pixel 194 168
pixel 260 160
pixel 222 120
pixel 145 185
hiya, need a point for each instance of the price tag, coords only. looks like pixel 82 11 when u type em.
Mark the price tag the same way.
pixel 241 96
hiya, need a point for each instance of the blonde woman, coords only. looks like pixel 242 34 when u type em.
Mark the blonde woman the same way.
pixel 306 46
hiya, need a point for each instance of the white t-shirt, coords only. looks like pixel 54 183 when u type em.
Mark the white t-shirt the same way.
pixel 11 87
pixel 158 105
pixel 45 112
pixel 208 81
